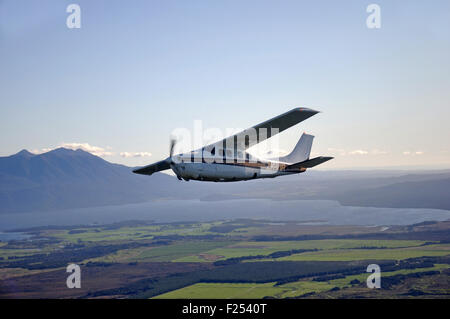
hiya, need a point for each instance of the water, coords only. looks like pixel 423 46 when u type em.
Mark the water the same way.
pixel 328 212
pixel 13 236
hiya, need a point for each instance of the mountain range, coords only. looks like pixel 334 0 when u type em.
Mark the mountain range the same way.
pixel 63 179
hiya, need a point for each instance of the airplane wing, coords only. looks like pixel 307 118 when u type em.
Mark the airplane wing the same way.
pixel 153 168
pixel 267 129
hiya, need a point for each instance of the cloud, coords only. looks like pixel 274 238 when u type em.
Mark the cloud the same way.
pixel 343 152
pixel 339 151
pixel 413 153
pixel 359 152
pixel 135 154
pixel 378 152
pixel 95 150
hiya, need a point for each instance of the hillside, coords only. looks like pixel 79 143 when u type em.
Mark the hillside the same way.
pixel 65 178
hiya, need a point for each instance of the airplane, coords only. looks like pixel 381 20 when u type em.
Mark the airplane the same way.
pixel 228 160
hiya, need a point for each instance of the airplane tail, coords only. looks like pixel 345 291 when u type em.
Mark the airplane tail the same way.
pixel 301 151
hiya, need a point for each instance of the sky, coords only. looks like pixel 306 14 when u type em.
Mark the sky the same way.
pixel 137 70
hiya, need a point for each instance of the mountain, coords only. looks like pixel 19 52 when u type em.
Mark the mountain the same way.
pixel 375 188
pixel 422 194
pixel 65 178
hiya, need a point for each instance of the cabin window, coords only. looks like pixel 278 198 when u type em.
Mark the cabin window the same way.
pixel 247 157
pixel 213 151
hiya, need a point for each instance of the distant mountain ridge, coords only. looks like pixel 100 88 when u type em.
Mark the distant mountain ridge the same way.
pixel 64 178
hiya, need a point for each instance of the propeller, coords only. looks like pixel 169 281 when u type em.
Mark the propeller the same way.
pixel 170 160
pixel 172 146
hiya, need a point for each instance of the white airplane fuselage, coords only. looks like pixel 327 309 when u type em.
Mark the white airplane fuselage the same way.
pixel 228 169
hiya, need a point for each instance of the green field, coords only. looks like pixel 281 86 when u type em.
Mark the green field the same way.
pixel 363 254
pixel 6 253
pixel 164 253
pixel 131 233
pixel 342 282
pixel 140 259
pixel 256 291
pixel 266 248
pixel 223 291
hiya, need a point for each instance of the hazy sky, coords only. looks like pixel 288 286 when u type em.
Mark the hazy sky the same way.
pixel 136 70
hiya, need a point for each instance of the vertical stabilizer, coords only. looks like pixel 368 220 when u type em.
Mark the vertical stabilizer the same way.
pixel 301 151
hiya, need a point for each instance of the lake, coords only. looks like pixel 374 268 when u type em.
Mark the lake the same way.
pixel 328 212
pixel 13 236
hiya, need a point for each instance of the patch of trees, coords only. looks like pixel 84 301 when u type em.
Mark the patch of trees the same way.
pixel 180 237
pixel 261 272
pixel 98 264
pixel 277 254
pixel 127 223
pixel 412 263
pixel 67 255
pixel 415 292
pixel 161 242
pixel 334 273
pixel 389 282
pixel 437 235
pixel 77 231
pixel 225 228
pixel 27 244
pixel 256 272
pixel 355 282
pixel 333 277
pixel 369 247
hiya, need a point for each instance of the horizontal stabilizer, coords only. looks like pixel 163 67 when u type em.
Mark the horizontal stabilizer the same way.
pixel 153 168
pixel 310 163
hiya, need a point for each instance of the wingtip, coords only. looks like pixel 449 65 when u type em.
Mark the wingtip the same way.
pixel 307 109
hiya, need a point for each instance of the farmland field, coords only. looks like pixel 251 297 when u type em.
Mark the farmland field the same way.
pixel 253 291
pixel 363 254
pixel 226 259
pixel 265 248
